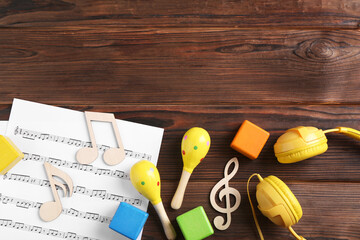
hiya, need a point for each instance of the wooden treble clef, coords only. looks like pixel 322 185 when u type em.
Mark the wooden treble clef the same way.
pixel 226 191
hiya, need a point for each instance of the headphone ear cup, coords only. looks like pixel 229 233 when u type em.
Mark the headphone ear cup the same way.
pixel 283 188
pixel 303 153
pixel 277 202
pixel 300 143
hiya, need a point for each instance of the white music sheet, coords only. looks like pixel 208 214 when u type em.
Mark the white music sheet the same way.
pixel 3 125
pixel 53 134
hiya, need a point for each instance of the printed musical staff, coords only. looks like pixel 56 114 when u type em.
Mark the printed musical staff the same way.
pixel 96 193
pixel 22 203
pixel 75 165
pixel 19 202
pixel 32 135
pixel 41 230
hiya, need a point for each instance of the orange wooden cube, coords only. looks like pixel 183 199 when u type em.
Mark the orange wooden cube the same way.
pixel 249 140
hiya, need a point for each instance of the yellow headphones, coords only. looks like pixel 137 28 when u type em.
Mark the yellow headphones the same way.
pixel 276 202
pixel 301 143
pixel 275 199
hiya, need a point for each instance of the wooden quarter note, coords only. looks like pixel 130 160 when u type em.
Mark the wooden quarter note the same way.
pixel 112 156
pixel 51 210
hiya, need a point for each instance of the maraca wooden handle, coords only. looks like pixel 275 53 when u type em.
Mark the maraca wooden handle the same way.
pixel 168 227
pixel 180 191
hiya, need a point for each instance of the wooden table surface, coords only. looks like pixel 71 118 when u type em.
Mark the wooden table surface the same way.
pixel 207 63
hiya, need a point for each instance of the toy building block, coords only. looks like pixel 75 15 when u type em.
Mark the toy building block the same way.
pixel 10 154
pixel 128 220
pixel 195 224
pixel 249 140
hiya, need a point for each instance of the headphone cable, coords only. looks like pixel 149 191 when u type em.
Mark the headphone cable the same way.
pixel 295 234
pixel 252 207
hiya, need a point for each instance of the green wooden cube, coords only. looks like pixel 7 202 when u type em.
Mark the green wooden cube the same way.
pixel 195 224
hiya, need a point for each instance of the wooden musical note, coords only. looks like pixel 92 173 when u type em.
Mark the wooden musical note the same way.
pixel 112 156
pixel 52 209
pixel 226 191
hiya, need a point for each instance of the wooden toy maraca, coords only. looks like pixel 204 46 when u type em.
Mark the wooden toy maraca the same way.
pixel 194 147
pixel 146 179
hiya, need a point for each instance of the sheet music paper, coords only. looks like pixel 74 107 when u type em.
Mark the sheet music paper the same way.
pixel 3 125
pixel 52 134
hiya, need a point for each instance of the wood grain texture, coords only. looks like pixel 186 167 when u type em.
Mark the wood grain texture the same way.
pixel 196 13
pixel 180 66
pixel 212 64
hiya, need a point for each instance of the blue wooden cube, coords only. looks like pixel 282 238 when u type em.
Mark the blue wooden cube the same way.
pixel 128 220
pixel 195 224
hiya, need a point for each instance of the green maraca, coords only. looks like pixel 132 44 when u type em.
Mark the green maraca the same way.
pixel 194 147
pixel 146 179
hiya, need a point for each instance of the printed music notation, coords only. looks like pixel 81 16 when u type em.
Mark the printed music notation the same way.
pixel 41 230
pixel 78 166
pixel 21 203
pixel 32 135
pixel 96 193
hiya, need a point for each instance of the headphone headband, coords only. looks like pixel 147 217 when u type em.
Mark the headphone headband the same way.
pixel 353 133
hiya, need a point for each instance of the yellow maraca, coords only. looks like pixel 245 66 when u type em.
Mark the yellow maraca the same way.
pixel 194 147
pixel 146 179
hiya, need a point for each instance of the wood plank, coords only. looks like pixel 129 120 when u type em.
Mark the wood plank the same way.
pixel 341 162
pixel 180 66
pixel 195 13
pixel 330 211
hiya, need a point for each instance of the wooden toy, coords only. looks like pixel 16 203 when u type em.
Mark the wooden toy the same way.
pixel 49 211
pixel 146 179
pixel 195 224
pixel 10 154
pixel 226 191
pixel 112 156
pixel 250 140
pixel 128 220
pixel 194 147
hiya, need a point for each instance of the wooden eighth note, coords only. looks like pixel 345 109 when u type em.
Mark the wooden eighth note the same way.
pixel 219 221
pixel 51 210
pixel 112 156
